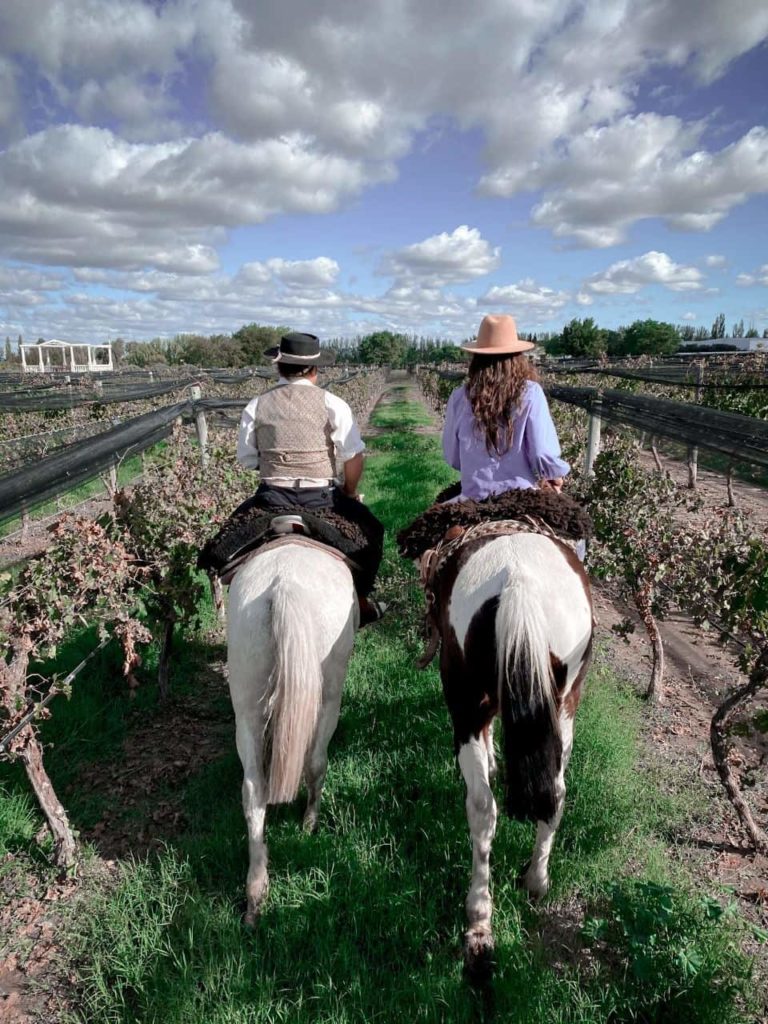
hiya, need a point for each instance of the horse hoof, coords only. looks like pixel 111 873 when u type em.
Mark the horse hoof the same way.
pixel 535 890
pixel 310 822
pixel 479 960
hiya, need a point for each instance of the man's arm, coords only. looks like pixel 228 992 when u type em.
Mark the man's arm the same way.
pixel 347 442
pixel 353 470
pixel 247 452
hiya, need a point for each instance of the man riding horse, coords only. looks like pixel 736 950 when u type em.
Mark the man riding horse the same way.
pixel 307 446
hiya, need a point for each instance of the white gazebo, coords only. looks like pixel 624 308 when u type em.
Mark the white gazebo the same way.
pixel 42 358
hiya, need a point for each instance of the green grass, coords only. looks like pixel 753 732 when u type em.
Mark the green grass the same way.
pixel 364 919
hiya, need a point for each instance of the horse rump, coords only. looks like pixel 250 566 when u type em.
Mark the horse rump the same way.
pixel 533 747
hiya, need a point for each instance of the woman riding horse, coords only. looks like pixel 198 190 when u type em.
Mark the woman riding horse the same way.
pixel 515 616
pixel 498 429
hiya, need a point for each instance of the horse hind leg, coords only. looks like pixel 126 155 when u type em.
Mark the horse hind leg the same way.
pixel 255 811
pixel 481 815
pixel 491 749
pixel 316 763
pixel 536 875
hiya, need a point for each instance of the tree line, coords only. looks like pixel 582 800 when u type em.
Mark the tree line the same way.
pixel 580 338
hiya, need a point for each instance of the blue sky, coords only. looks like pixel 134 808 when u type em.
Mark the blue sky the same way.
pixel 194 165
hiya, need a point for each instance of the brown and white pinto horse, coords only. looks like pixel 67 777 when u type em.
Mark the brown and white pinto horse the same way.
pixel 515 620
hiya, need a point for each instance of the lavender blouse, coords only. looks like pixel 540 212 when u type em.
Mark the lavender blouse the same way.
pixel 534 453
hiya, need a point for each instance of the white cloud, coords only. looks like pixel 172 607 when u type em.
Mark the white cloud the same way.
pixel 715 261
pixel 446 258
pixel 312 103
pixel 643 167
pixel 526 300
pixel 629 276
pixel 760 276
pixel 690 316
pixel 84 197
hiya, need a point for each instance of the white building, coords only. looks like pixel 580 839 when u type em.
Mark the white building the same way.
pixel 64 356
pixel 742 344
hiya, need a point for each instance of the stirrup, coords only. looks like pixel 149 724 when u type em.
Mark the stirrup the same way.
pixel 289 524
pixel 377 609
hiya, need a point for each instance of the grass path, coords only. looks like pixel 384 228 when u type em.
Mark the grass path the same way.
pixel 364 919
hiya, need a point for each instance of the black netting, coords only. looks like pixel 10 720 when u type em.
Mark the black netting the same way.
pixel 680 375
pixel 744 438
pixel 73 464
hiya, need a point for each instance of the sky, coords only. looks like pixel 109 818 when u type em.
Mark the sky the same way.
pixel 190 166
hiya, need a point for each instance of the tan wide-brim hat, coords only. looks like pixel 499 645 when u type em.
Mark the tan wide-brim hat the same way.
pixel 497 336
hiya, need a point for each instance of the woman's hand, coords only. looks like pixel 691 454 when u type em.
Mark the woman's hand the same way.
pixel 555 484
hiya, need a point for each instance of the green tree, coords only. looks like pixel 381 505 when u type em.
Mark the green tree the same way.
pixel 216 350
pixel 718 327
pixel 146 353
pixel 255 339
pixel 738 329
pixel 651 337
pixel 581 339
pixel 614 341
pixel 383 347
pixel 752 332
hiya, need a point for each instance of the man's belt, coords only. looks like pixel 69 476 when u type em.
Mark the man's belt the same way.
pixel 297 485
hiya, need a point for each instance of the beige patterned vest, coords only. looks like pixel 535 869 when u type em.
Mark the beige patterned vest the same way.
pixel 293 434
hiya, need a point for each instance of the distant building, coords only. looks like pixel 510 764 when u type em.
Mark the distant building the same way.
pixel 742 344
pixel 56 356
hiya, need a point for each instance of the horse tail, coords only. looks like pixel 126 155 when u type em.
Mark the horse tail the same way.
pixel 532 743
pixel 295 692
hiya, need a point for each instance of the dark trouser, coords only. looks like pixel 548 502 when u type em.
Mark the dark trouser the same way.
pixel 289 499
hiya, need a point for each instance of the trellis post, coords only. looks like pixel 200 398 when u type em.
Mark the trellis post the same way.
pixel 201 426
pixel 593 434
pixel 693 450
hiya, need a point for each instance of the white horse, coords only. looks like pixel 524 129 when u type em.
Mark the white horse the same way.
pixel 515 620
pixel 292 619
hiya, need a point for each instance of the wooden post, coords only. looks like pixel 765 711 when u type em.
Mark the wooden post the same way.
pixel 593 435
pixel 201 426
pixel 693 450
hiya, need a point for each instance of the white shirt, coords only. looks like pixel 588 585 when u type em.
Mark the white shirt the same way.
pixel 344 433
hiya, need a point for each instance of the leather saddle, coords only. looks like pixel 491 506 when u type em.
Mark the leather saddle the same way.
pixel 290 528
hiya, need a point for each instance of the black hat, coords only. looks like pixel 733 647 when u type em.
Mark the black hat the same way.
pixel 300 350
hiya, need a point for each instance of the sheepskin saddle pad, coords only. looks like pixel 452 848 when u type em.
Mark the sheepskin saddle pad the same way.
pixel 249 530
pixel 561 513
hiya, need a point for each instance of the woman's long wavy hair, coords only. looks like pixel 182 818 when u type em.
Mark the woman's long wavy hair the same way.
pixel 495 387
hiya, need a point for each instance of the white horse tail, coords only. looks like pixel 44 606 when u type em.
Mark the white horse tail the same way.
pixel 532 744
pixel 295 692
